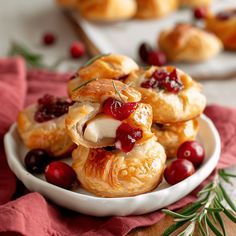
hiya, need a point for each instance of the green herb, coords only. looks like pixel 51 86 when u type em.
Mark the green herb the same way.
pixel 205 213
pixel 93 59
pixel 117 92
pixel 32 59
pixel 84 84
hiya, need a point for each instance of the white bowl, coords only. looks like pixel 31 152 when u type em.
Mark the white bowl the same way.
pixel 87 203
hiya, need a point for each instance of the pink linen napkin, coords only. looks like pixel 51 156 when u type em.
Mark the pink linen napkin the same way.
pixel 32 214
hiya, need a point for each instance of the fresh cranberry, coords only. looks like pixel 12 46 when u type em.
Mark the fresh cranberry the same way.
pixel 178 170
pixel 50 107
pixel 126 136
pixel 144 51
pixel 225 15
pixel 77 50
pixel 60 174
pixel 192 151
pixel 36 160
pixel 156 58
pixel 164 80
pixel 49 38
pixel 118 109
pixel 200 12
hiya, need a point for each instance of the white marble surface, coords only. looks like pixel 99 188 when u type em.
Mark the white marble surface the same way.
pixel 27 20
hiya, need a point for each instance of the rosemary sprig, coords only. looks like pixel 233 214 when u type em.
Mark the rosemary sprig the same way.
pixel 206 212
pixel 117 92
pixel 32 59
pixel 84 84
pixel 93 59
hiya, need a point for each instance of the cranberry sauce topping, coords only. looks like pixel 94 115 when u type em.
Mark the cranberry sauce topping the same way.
pixel 50 107
pixel 117 109
pixel 163 79
pixel 225 15
pixel 126 136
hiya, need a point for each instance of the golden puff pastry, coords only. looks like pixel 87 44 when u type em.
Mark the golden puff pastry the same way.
pixel 194 3
pixel 107 10
pixel 173 95
pixel 171 136
pixel 119 174
pixel 110 66
pixel 49 135
pixel 88 125
pixel 187 43
pixel 223 25
pixel 155 8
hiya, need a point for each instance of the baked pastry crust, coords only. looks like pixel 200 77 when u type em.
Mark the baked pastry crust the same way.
pixel 194 3
pixel 225 30
pixel 89 102
pixel 171 136
pixel 50 135
pixel 111 66
pixel 170 107
pixel 155 8
pixel 118 174
pixel 187 43
pixel 107 10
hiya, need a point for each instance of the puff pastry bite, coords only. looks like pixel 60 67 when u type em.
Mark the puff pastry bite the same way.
pixel 223 25
pixel 99 110
pixel 195 3
pixel 110 66
pixel 155 8
pixel 42 125
pixel 107 10
pixel 171 136
pixel 118 174
pixel 173 95
pixel 185 42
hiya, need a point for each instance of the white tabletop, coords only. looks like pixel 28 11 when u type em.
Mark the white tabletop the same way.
pixel 26 20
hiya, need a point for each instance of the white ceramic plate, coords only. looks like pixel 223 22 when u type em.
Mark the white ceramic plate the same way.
pixel 87 203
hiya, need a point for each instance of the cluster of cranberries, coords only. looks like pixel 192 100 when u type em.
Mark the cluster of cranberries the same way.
pixel 56 172
pixel 50 107
pixel 77 49
pixel 163 79
pixel 126 135
pixel 190 156
pixel 151 56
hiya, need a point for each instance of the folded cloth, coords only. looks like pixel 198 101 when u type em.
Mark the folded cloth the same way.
pixel 32 214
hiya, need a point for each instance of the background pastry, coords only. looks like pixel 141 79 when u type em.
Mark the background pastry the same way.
pixel 171 136
pixel 107 10
pixel 173 95
pixel 223 25
pixel 110 66
pixel 195 3
pixel 185 42
pixel 42 125
pixel 155 8
pixel 119 174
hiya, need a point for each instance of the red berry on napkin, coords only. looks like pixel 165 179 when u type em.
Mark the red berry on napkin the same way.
pixel 77 50
pixel 144 50
pixel 157 58
pixel 60 174
pixel 200 13
pixel 49 38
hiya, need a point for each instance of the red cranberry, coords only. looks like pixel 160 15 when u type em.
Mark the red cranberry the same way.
pixel 50 107
pixel 178 170
pixel 192 151
pixel 126 136
pixel 60 174
pixel 36 160
pixel 118 109
pixel 200 13
pixel 77 50
pixel 49 38
pixel 157 58
pixel 225 15
pixel 144 51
